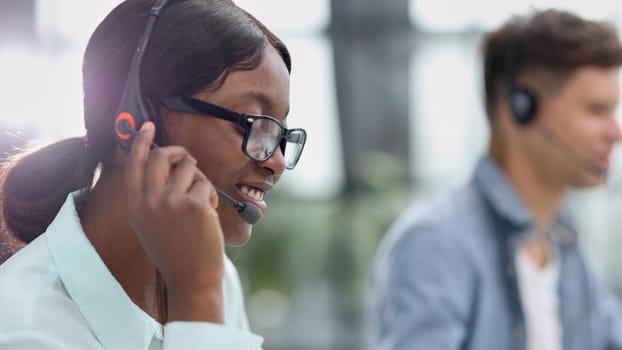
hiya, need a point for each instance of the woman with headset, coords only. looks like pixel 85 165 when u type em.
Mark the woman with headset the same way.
pixel 185 112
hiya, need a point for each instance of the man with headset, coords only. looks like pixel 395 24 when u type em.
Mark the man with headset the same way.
pixel 495 264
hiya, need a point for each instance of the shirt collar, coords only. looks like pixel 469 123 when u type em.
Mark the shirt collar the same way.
pixel 115 320
pixel 492 182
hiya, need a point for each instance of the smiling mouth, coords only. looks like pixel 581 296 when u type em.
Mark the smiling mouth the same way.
pixel 252 192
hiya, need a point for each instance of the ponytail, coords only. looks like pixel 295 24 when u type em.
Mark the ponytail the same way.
pixel 34 185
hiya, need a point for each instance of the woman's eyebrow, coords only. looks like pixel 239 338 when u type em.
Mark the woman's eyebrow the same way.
pixel 264 100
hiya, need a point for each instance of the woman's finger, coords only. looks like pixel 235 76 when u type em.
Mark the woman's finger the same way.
pixel 136 162
pixel 184 174
pixel 160 164
pixel 203 190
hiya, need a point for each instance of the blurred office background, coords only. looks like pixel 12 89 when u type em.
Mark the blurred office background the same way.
pixel 391 95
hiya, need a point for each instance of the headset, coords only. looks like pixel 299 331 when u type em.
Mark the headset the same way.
pixel 523 102
pixel 133 111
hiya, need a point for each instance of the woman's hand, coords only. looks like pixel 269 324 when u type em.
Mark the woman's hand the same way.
pixel 172 209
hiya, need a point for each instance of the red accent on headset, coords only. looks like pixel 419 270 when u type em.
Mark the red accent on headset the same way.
pixel 130 120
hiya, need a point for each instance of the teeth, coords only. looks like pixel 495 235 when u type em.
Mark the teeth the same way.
pixel 252 192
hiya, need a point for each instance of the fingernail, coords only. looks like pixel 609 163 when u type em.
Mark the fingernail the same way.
pixel 146 126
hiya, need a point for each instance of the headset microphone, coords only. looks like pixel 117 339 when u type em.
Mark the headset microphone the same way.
pixel 569 151
pixel 247 211
pixel 524 107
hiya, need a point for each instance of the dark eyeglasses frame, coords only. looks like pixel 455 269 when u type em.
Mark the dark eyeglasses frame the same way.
pixel 194 106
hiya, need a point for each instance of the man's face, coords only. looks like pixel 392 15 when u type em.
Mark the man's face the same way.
pixel 579 127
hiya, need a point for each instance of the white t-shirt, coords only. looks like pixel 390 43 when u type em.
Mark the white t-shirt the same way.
pixel 56 293
pixel 540 299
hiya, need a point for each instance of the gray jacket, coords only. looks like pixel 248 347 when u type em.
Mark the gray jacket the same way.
pixel 445 278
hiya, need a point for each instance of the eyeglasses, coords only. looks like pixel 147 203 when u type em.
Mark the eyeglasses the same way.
pixel 262 134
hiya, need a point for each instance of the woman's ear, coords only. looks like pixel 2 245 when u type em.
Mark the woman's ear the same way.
pixel 168 123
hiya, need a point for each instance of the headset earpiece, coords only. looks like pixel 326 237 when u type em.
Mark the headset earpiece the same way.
pixel 523 102
pixel 523 105
pixel 132 110
pixel 124 124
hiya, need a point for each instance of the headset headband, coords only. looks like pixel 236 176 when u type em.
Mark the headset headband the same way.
pixel 132 112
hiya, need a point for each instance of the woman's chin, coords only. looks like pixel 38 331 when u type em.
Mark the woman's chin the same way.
pixel 238 235
pixel 235 230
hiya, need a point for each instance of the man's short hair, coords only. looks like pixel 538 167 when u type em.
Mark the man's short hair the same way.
pixel 551 41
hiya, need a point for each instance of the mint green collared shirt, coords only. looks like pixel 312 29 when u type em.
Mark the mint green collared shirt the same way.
pixel 56 293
